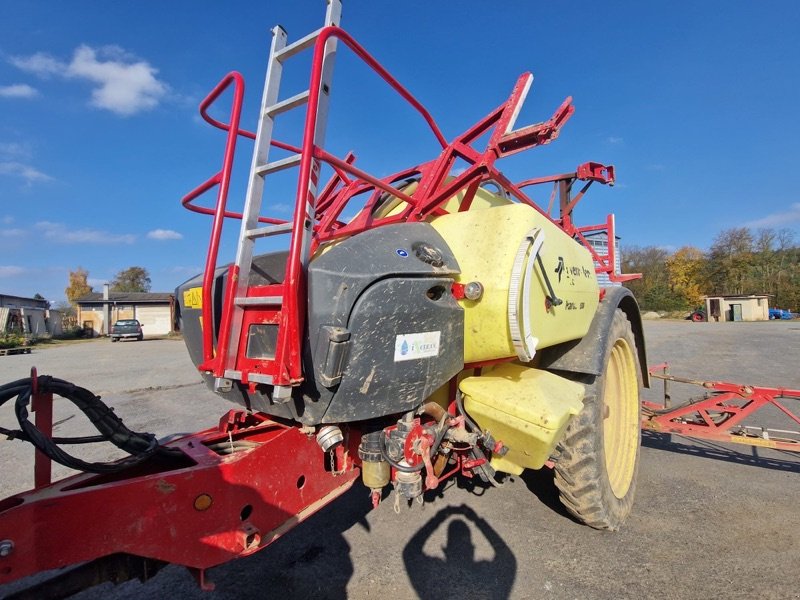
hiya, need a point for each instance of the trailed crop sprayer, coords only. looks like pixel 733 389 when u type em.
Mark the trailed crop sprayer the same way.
pixel 436 322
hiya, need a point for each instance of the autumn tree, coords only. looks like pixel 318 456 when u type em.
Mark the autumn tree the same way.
pixel 78 285
pixel 132 279
pixel 685 274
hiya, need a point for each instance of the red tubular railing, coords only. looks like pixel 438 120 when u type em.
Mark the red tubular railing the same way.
pixel 434 189
pixel 293 314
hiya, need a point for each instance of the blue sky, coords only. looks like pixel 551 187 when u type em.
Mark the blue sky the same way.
pixel 695 103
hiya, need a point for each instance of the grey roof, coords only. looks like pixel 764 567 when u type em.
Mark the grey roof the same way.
pixel 127 298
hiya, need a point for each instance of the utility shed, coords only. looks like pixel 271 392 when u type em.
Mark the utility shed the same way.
pixel 154 310
pixel 737 308
pixel 29 316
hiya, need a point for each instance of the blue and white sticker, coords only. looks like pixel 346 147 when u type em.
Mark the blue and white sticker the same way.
pixel 401 252
pixel 411 346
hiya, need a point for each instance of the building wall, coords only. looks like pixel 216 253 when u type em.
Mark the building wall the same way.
pixel 91 319
pixel 600 244
pixel 753 309
pixel 155 318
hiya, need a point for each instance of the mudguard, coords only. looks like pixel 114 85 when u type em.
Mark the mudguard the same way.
pixel 585 356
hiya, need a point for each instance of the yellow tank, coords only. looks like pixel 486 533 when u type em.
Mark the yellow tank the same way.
pixel 495 243
pixel 525 408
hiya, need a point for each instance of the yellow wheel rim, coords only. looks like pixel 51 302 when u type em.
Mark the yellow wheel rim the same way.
pixel 621 417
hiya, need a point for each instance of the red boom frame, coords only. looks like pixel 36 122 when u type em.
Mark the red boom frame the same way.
pixel 721 415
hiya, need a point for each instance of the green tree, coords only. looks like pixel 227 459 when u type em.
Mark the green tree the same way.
pixel 730 262
pixel 652 290
pixel 78 285
pixel 132 279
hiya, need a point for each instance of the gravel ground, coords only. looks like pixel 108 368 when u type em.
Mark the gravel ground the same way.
pixel 710 521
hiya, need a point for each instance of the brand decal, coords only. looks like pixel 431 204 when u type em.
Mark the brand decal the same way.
pixel 411 346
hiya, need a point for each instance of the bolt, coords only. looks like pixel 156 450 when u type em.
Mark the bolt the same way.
pixel 6 548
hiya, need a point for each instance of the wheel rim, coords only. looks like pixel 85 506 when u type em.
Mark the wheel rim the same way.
pixel 621 417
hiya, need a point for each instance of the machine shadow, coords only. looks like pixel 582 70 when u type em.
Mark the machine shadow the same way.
pixel 715 451
pixel 456 572
pixel 541 483
pixel 312 561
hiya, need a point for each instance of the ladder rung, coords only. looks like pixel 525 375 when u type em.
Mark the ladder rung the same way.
pixel 278 165
pixel 286 105
pixel 298 46
pixel 258 301
pixel 260 378
pixel 268 231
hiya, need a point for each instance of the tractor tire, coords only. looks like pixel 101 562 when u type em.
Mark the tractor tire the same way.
pixel 598 459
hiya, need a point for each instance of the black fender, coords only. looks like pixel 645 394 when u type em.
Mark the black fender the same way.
pixel 585 356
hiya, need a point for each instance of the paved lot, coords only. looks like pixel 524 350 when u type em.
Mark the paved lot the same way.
pixel 710 521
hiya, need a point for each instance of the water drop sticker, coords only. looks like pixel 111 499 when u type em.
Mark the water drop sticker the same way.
pixel 402 253
pixel 411 346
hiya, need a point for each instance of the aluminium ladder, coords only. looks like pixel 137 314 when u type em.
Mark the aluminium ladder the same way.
pixel 278 304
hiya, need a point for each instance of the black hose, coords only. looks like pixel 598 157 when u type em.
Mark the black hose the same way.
pixel 478 453
pixel 397 466
pixel 141 446
pixel 443 427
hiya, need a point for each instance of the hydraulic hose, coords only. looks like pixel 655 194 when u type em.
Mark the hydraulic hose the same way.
pixel 477 451
pixel 141 446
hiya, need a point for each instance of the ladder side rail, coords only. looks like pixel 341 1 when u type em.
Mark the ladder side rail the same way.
pixel 252 206
pixel 288 352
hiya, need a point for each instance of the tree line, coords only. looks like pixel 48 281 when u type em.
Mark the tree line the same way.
pixel 739 261
pixel 132 279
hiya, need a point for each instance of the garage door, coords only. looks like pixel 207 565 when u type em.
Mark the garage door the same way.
pixel 154 319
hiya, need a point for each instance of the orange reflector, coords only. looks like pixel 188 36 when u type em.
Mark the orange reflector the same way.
pixel 202 502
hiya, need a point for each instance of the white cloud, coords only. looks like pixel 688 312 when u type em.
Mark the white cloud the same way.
pixel 18 90
pixel 780 218
pixel 14 150
pixel 12 233
pixel 183 270
pixel 41 64
pixel 60 233
pixel 613 139
pixel 7 220
pixel 10 271
pixel 124 84
pixel 164 234
pixel 27 172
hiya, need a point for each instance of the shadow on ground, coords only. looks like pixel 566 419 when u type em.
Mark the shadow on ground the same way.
pixel 748 455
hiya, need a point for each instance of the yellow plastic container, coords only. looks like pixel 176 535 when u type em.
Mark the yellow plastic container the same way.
pixel 485 241
pixel 525 408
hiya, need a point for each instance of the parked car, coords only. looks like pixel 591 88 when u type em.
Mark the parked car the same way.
pixel 780 313
pixel 127 328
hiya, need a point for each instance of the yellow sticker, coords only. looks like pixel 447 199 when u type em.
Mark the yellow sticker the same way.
pixel 193 298
pixel 752 441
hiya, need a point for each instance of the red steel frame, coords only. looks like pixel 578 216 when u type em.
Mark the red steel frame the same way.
pixel 200 512
pixel 436 186
pixel 721 415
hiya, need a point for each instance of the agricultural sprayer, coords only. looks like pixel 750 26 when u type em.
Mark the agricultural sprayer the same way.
pixel 433 323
